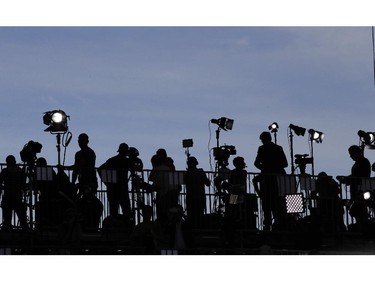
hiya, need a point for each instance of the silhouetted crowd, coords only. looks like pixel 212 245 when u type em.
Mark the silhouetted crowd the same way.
pixel 71 205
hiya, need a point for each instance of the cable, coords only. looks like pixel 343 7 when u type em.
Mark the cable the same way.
pixel 208 146
pixel 67 137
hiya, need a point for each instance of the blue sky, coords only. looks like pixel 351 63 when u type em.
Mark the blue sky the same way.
pixel 152 87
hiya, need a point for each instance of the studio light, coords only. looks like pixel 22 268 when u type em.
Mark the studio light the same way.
pixel 294 203
pixel 224 123
pixel 56 120
pixel 273 127
pixel 299 131
pixel 367 138
pixel 316 136
pixel 367 195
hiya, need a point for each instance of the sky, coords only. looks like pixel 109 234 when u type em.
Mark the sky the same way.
pixel 152 73
pixel 152 87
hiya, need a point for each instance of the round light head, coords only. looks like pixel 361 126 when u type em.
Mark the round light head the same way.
pixel 57 117
pixel 367 195
pixel 316 136
pixel 273 127
pixel 371 137
pixel 57 121
pixel 367 138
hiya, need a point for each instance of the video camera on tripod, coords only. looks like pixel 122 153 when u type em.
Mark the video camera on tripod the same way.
pixel 302 160
pixel 29 151
pixel 223 153
pixel 136 164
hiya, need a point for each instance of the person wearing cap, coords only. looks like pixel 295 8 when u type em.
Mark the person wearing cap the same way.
pixel 117 187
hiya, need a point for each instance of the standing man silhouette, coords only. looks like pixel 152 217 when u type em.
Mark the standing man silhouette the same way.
pixel 84 167
pixel 195 180
pixel 271 161
pixel 117 192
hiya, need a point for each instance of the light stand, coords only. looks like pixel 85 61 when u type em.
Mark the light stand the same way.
pixel 299 132
pixel 225 124
pixel 58 146
pixel 318 138
pixel 291 150
pixel 217 147
pixel 367 140
pixel 28 156
pixel 187 143
pixel 273 128
pixel 57 122
pixel 312 156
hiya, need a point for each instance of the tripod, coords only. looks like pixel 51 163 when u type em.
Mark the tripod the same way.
pixel 58 145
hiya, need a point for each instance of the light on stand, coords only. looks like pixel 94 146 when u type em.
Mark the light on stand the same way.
pixel 224 123
pixel 221 155
pixel 367 139
pixel 187 143
pixel 274 128
pixel 57 122
pixel 299 131
pixel 315 136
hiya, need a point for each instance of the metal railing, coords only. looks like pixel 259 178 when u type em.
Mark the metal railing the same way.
pixel 313 197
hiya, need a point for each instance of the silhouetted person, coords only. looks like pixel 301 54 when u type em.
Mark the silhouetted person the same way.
pixel 235 203
pixel 84 167
pixel 360 169
pixel 48 189
pixel 195 181
pixel 271 161
pixel 238 184
pixel 141 236
pixel 117 192
pixel 167 192
pixel 90 208
pixel 13 182
pixel 329 210
pixel 172 231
